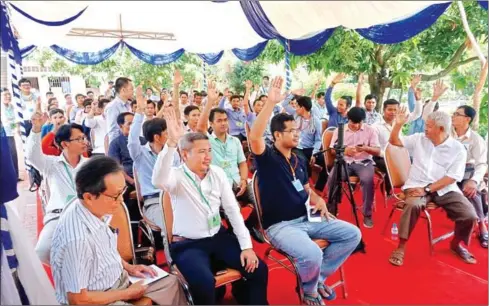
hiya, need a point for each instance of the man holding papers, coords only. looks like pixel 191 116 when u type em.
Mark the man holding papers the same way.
pixel 87 268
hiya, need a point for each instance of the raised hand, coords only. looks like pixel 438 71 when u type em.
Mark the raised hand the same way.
pixel 338 78
pixel 439 89
pixel 418 94
pixel 177 77
pixel 298 92
pixel 402 116
pixel 274 95
pixel 248 85
pixel 174 127
pixel 361 78
pixel 141 101
pixel 212 93
pixel 38 121
pixel 416 79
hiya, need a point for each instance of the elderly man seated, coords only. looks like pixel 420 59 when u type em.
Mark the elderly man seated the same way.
pixel 438 163
pixel 87 268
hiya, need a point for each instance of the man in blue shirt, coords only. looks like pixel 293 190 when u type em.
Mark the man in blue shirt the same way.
pixel 287 200
pixel 337 114
pixel 237 117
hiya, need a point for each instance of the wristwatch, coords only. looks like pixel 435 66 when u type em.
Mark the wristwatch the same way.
pixel 427 189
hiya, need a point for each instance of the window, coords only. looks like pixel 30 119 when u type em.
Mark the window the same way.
pixel 57 81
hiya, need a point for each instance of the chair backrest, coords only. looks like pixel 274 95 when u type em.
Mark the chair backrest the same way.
pixel 138 190
pixel 120 221
pixel 106 144
pixel 326 141
pixel 258 208
pixel 398 163
pixel 167 209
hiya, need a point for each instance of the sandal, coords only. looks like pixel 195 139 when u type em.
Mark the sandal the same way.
pixel 483 240
pixel 311 300
pixel 397 258
pixel 464 254
pixel 326 292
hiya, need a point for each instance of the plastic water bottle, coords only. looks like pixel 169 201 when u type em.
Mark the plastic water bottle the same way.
pixel 394 232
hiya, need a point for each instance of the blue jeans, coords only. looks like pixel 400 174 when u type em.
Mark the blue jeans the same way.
pixel 315 265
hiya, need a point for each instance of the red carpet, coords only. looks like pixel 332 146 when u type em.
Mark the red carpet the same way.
pixel 440 279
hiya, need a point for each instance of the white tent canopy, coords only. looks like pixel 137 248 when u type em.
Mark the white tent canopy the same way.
pixel 162 27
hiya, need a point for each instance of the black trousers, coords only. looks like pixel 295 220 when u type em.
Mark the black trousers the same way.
pixel 380 164
pixel 199 259
pixel 323 177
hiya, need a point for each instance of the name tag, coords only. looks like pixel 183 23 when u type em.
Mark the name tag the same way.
pixel 298 185
pixel 225 164
pixel 239 124
pixel 214 220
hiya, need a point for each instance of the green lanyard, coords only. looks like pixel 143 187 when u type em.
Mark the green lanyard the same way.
pixel 198 189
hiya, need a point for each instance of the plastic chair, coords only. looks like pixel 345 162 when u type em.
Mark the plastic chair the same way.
pixel 398 163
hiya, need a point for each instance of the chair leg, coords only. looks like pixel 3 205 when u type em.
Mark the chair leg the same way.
pixel 343 281
pixel 430 231
pixel 388 220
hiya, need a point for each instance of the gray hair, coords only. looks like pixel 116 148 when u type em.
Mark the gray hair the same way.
pixel 441 119
pixel 187 140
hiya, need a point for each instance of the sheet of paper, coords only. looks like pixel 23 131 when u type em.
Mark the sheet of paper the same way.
pixel 148 280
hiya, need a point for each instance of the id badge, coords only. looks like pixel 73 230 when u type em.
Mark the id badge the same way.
pixel 239 124
pixel 298 185
pixel 225 164
pixel 214 220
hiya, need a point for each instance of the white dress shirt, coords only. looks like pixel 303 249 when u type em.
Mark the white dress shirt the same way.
pixel 190 212
pixel 431 163
pixel 56 170
pixel 476 148
pixel 99 128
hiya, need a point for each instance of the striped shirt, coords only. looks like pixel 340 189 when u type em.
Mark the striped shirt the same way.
pixel 84 253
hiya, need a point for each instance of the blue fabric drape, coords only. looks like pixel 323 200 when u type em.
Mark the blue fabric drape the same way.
pixel 399 31
pixel 483 4
pixel 49 23
pixel 211 58
pixel 27 50
pixel 308 45
pixel 86 58
pixel 7 40
pixel 250 53
pixel 259 20
pixel 155 59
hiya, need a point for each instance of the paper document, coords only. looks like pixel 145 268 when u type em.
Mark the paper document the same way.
pixel 148 280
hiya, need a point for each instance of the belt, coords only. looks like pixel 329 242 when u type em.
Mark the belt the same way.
pixel 178 238
pixel 151 196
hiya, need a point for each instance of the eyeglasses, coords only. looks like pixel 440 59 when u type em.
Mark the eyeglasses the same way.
pixel 79 139
pixel 459 115
pixel 115 198
pixel 292 131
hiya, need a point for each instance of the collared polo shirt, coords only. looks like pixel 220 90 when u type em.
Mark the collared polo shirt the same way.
pixel 112 110
pixel 228 156
pixel 366 136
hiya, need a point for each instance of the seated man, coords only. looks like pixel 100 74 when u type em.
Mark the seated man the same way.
pixel 191 115
pixel 476 164
pixel 361 144
pixel 285 197
pixel 200 243
pixel 438 163
pixel 59 173
pixel 86 265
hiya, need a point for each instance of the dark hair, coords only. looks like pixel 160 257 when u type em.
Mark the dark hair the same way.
pixel 56 111
pixel 66 95
pixel 234 97
pixel 91 176
pixel 51 100
pixel 134 102
pixel 370 97
pixel 469 111
pixel 87 102
pixel 347 99
pixel 278 123
pixel 151 102
pixel 153 127
pixel 356 114
pixel 24 80
pixel 64 132
pixel 391 102
pixel 51 107
pixel 320 95
pixel 197 94
pixel 79 95
pixel 111 82
pixel 256 101
pixel 203 93
pixel 121 118
pixel 266 77
pixel 262 96
pixel 214 111
pixel 149 89
pixel 121 82
pixel 49 93
pixel 189 109
pixel 101 103
pixel 89 92
pixel 304 101
pixel 183 93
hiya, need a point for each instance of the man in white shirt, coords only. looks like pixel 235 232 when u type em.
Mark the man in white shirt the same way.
pixel 59 173
pixel 98 128
pixel 198 190
pixel 87 267
pixel 476 164
pixel 438 163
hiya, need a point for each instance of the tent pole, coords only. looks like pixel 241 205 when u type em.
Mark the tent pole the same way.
pixel 472 39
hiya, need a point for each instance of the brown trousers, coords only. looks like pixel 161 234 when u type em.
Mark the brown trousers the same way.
pixel 166 291
pixel 456 205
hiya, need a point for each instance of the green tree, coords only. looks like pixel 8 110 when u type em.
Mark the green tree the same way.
pixel 241 72
pixel 441 48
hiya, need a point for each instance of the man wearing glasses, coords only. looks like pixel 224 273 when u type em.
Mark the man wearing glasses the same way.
pixel 59 173
pixel 28 100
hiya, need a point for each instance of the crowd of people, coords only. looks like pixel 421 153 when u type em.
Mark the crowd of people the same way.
pixel 96 152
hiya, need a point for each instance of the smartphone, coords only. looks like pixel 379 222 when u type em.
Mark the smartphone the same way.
pixel 314 217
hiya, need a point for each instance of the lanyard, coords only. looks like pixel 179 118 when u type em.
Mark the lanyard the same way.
pixel 69 175
pixel 198 189
pixel 290 165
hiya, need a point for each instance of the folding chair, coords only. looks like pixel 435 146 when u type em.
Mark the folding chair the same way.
pixel 147 223
pixel 222 277
pixel 398 163
pixel 120 221
pixel 292 267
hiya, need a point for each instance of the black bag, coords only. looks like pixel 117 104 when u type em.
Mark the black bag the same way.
pixel 35 178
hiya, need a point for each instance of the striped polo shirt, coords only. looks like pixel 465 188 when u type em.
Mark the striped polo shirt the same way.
pixel 84 253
